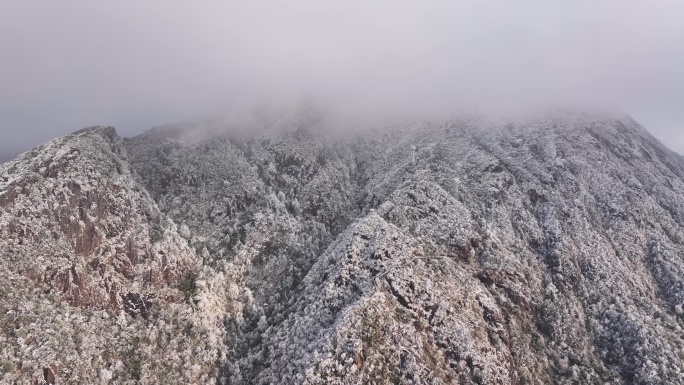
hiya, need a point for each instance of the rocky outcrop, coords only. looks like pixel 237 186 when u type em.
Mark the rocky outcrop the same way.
pixel 75 222
pixel 519 253
pixel 543 250
pixel 82 244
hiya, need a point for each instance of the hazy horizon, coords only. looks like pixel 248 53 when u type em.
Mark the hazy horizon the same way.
pixel 134 66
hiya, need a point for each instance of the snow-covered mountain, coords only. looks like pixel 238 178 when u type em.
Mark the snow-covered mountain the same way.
pixel 540 250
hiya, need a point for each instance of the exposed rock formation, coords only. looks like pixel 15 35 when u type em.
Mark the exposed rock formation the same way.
pixel 75 222
pixel 546 250
pixel 82 244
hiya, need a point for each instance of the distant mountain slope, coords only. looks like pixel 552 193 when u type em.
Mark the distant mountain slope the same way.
pixel 542 250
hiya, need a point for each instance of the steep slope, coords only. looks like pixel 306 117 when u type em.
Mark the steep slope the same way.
pixel 575 204
pixel 91 269
pixel 541 250
pixel 266 204
pixel 549 247
pixel 107 238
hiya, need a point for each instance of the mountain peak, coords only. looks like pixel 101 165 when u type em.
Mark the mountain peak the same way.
pixel 540 248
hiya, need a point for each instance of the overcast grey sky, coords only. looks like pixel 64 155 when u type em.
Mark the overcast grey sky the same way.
pixel 135 64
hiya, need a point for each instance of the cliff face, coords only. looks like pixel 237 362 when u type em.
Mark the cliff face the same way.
pixel 546 250
pixel 75 222
pixel 91 270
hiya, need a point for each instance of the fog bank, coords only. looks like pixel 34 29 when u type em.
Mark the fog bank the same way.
pixel 134 65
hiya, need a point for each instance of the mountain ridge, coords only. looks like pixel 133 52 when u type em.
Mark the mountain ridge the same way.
pixel 545 249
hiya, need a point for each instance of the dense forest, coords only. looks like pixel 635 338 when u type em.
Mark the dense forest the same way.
pixel 473 251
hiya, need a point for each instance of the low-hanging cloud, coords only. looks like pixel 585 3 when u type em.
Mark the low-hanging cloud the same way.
pixel 132 64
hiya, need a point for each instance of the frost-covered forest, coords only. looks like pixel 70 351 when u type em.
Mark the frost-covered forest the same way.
pixel 543 250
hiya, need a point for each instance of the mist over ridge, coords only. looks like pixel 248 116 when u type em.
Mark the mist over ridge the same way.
pixel 135 66
pixel 544 248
